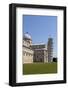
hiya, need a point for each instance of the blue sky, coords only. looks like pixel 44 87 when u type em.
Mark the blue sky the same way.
pixel 41 28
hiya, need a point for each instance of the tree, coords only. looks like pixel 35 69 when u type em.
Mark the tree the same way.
pixel 54 59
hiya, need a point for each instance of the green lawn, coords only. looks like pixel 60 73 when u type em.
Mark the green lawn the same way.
pixel 40 68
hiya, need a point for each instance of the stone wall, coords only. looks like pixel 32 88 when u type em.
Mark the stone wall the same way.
pixel 27 55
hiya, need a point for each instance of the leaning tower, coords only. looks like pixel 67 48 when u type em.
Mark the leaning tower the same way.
pixel 50 49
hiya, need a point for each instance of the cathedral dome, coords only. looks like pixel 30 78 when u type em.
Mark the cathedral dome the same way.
pixel 27 36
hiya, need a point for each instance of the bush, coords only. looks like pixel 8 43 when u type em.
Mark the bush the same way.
pixel 54 59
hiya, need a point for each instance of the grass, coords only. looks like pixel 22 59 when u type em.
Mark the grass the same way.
pixel 39 68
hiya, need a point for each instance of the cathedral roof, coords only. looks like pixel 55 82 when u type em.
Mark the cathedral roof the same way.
pixel 27 36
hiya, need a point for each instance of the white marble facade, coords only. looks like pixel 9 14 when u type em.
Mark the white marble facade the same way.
pixel 36 52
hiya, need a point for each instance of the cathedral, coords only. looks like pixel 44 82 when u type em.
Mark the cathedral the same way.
pixel 36 52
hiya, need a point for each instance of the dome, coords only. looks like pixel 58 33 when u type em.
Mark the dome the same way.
pixel 26 35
